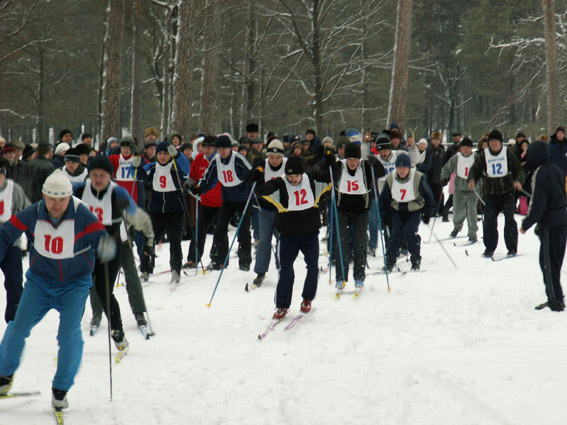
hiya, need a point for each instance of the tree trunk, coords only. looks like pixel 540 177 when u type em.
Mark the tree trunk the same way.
pixel 402 46
pixel 41 120
pixel 165 101
pixel 552 67
pixel 365 116
pixel 211 69
pixel 317 67
pixel 112 68
pixel 249 87
pixel 136 97
pixel 183 69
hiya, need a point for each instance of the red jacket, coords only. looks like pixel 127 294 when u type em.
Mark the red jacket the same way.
pixel 213 197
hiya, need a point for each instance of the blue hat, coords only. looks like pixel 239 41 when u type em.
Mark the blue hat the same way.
pixel 100 162
pixel 403 160
pixel 354 136
pixel 162 147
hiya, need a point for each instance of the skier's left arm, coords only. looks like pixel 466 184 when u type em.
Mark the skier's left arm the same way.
pixel 516 169
pixel 538 203
pixel 425 192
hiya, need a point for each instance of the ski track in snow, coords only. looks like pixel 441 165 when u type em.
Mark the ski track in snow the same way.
pixel 448 346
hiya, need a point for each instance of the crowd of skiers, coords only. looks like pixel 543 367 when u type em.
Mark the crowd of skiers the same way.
pixel 81 210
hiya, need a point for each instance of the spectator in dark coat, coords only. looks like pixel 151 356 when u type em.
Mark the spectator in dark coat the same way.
pixel 438 159
pixel 38 170
pixel 558 148
pixel 548 210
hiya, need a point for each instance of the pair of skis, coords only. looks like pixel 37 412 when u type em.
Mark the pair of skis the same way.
pixel 276 322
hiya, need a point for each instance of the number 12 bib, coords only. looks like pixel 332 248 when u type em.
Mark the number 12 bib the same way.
pixel 300 197
pixel 496 165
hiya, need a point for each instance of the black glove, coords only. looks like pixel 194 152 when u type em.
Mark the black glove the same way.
pixel 425 219
pixel 258 175
pixel 444 182
pixel 148 250
pixel 195 190
pixel 329 157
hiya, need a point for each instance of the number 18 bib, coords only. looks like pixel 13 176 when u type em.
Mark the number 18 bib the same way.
pixel 226 173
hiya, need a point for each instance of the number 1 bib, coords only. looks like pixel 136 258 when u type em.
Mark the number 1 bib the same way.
pixel 300 197
pixel 464 164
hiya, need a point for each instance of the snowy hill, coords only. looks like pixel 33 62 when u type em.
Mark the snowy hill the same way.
pixel 446 346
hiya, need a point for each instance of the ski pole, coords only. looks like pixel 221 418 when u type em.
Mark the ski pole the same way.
pixel 330 221
pixel 380 227
pixel 444 250
pixel 525 192
pixel 334 205
pixel 232 243
pixel 478 196
pixel 197 238
pixel 435 218
pixel 108 314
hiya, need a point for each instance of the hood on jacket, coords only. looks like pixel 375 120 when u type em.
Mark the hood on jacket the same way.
pixel 538 154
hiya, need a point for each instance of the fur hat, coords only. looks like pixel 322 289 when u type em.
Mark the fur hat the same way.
pixel 209 141
pixel 19 144
pixel 127 141
pixel 436 135
pixel 275 148
pixel 252 128
pixel 100 162
pixel 352 150
pixel 149 131
pixel 57 185
pixel 294 165
pixel 83 149
pixel 8 147
pixel 395 134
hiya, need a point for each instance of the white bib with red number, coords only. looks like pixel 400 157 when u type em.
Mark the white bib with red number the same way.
pixel 464 164
pixel 125 170
pixel 352 185
pixel 403 192
pixel 102 208
pixel 163 180
pixel 270 174
pixel 300 197
pixel 6 201
pixel 226 173
pixel 56 243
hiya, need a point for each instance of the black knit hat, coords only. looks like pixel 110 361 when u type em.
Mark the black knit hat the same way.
pixel 83 149
pixel 352 150
pixel 403 160
pixel 466 142
pixel 72 155
pixel 100 162
pixel 223 141
pixel 64 132
pixel 209 141
pixel 294 165
pixel 28 151
pixel 495 135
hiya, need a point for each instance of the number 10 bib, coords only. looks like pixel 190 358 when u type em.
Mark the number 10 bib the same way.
pixel 56 243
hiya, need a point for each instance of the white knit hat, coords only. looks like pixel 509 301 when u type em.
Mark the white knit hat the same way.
pixel 61 148
pixel 57 185
pixel 275 148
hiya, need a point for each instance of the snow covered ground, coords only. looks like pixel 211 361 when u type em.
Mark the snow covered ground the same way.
pixel 446 346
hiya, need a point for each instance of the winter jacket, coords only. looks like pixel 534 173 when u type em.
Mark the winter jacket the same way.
pixel 548 206
pixel 558 149
pixel 498 186
pixel 422 160
pixel 58 161
pixel 87 232
pixel 213 197
pixel 449 168
pixel 38 170
pixel 438 159
pixel 19 202
pixel 18 171
pixel 357 202
pixel 259 176
pixel 254 157
pixel 135 189
pixel 162 202
pixel 302 222
pixel 423 196
pixel 234 194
